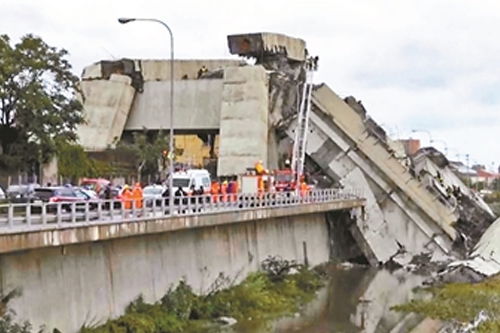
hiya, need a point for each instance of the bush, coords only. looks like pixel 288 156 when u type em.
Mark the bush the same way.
pixel 260 297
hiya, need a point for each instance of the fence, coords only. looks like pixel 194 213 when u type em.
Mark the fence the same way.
pixel 29 216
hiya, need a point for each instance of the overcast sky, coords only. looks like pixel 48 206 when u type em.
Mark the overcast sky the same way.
pixel 430 65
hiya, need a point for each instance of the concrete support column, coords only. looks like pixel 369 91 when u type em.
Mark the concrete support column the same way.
pixel 243 119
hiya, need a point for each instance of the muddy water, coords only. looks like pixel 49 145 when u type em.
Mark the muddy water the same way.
pixel 356 300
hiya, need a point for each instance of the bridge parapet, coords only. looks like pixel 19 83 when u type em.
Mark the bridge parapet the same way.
pixel 28 226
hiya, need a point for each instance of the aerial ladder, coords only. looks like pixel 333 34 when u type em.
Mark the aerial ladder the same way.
pixel 301 130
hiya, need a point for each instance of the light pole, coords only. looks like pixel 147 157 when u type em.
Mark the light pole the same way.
pixel 124 20
pixel 423 131
pixel 444 144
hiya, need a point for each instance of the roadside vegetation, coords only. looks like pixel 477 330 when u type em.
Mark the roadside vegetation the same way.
pixel 280 289
pixel 462 304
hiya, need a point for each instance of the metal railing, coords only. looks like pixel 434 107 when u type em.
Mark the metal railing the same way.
pixel 30 216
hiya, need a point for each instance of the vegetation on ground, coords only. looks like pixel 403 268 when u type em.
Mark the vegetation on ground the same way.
pixel 74 163
pixel 261 297
pixel 461 303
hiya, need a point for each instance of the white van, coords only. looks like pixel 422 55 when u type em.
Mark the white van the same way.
pixel 196 177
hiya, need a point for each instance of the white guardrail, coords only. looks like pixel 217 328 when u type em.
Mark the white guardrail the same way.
pixel 15 216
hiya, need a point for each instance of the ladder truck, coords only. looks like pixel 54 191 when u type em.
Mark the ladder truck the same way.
pixel 301 130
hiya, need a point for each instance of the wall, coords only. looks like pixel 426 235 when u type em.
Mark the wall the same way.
pixel 106 107
pixel 196 105
pixel 68 286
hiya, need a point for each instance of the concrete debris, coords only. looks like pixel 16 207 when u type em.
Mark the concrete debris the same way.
pixel 228 321
pixel 474 216
pixel 484 260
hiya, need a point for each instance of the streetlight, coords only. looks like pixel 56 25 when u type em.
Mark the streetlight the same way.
pixel 124 20
pixel 445 145
pixel 423 131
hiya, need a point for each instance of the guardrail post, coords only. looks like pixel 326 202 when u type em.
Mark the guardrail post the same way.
pixel 133 209
pixel 112 209
pixel 73 212
pixel 123 211
pixel 10 218
pixel 153 207
pixel 99 210
pixel 28 214
pixel 87 217
pixel 189 208
pixel 58 214
pixel 44 213
pixel 163 204
pixel 144 208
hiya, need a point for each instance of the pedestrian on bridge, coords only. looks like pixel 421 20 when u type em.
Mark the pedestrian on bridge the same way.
pixel 214 190
pixel 223 190
pixel 127 197
pixel 137 195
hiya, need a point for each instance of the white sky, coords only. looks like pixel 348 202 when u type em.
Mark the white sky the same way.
pixel 415 64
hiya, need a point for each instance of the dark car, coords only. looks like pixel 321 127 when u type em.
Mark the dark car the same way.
pixel 60 194
pixel 21 193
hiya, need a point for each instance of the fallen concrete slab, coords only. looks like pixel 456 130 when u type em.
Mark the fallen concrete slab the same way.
pixel 485 258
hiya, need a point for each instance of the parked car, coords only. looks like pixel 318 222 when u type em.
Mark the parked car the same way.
pixel 61 194
pixel 193 177
pixel 152 193
pixel 95 184
pixel 21 193
pixel 2 194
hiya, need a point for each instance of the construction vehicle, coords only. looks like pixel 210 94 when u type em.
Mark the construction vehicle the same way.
pixel 300 140
pixel 285 180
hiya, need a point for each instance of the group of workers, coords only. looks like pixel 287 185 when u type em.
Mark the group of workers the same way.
pixel 132 197
pixel 224 191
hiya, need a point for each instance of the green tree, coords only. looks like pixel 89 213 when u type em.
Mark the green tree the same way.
pixel 37 101
pixel 145 151
pixel 74 163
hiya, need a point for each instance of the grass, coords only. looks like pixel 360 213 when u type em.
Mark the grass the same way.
pixel 461 302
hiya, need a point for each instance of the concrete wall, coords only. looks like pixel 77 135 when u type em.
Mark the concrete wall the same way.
pixel 243 120
pixel 110 108
pixel 197 105
pixel 68 286
pixel 106 105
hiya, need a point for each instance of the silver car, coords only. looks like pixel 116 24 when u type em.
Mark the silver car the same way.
pixel 152 193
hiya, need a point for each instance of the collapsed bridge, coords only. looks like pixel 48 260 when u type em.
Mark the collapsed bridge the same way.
pixel 250 111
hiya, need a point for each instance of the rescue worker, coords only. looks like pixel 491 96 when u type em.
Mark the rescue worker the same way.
pixel 303 188
pixel 214 190
pixel 231 190
pixel 223 191
pixel 260 184
pixel 259 168
pixel 137 195
pixel 180 198
pixel 127 197
pixel 288 165
pixel 202 71
pixel 236 188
